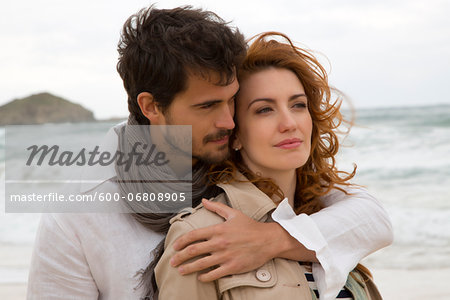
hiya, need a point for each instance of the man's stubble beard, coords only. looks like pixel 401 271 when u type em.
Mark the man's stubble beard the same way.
pixel 206 158
pixel 210 159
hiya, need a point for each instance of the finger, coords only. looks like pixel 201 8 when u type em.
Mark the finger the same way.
pixel 215 274
pixel 195 235
pixel 192 251
pixel 221 209
pixel 199 265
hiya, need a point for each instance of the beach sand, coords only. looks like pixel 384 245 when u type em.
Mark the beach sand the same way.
pixel 13 291
pixel 14 263
pixel 394 284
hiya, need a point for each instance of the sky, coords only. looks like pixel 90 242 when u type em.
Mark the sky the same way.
pixel 379 53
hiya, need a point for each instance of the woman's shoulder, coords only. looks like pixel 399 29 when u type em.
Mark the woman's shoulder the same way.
pixel 198 217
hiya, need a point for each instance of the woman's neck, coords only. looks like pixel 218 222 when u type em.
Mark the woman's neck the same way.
pixel 285 180
pixel 287 183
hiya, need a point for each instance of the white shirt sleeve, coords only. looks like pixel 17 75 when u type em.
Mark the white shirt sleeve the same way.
pixel 58 268
pixel 348 229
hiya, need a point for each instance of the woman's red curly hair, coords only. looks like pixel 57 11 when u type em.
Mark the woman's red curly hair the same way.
pixel 319 174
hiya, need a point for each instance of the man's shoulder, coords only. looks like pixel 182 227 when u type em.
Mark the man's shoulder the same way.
pixel 85 220
pixel 96 226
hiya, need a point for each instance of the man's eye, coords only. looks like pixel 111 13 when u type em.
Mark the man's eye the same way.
pixel 207 105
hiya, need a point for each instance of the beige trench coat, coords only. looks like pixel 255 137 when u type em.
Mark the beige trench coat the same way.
pixel 277 279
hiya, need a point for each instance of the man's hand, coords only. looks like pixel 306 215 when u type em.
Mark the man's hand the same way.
pixel 238 245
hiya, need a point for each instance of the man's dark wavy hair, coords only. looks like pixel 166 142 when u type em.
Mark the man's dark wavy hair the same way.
pixel 159 48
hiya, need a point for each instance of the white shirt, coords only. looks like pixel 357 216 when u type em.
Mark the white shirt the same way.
pixel 98 255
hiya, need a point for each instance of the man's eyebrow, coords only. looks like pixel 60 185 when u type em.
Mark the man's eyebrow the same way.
pixel 293 97
pixel 235 94
pixel 207 102
pixel 210 102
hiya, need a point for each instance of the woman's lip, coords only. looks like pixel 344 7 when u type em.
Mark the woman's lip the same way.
pixel 289 143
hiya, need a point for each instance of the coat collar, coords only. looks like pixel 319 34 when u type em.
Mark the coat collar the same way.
pixel 246 197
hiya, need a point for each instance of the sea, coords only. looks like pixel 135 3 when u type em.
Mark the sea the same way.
pixel 402 157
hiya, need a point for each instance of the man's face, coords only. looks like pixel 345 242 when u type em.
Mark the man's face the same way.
pixel 209 108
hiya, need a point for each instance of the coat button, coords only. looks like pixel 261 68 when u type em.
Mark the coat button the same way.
pixel 263 275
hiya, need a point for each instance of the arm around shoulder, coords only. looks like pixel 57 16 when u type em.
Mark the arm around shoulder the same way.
pixel 356 217
pixel 58 267
pixel 353 222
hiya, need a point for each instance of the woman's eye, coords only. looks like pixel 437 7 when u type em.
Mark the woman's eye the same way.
pixel 263 110
pixel 299 105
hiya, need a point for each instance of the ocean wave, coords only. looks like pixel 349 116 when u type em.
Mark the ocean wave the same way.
pixel 402 156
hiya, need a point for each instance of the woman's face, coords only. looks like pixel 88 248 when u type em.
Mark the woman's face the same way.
pixel 274 124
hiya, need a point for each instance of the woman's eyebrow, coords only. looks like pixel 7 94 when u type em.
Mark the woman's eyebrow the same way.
pixel 293 97
pixel 261 99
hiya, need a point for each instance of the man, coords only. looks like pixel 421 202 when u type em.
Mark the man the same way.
pixel 178 67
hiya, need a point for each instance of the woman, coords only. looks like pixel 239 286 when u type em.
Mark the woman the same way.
pixel 283 148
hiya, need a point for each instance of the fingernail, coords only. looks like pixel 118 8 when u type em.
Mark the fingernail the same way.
pixel 172 262
pixel 181 270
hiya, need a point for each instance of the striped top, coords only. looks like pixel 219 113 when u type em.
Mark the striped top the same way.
pixel 344 294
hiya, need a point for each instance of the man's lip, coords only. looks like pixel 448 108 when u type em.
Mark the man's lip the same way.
pixel 289 143
pixel 221 141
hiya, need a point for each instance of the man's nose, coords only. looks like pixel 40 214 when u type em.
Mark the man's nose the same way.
pixel 225 118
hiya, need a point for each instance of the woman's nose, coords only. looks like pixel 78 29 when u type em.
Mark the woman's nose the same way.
pixel 287 122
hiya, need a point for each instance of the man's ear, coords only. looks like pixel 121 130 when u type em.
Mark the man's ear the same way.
pixel 149 108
